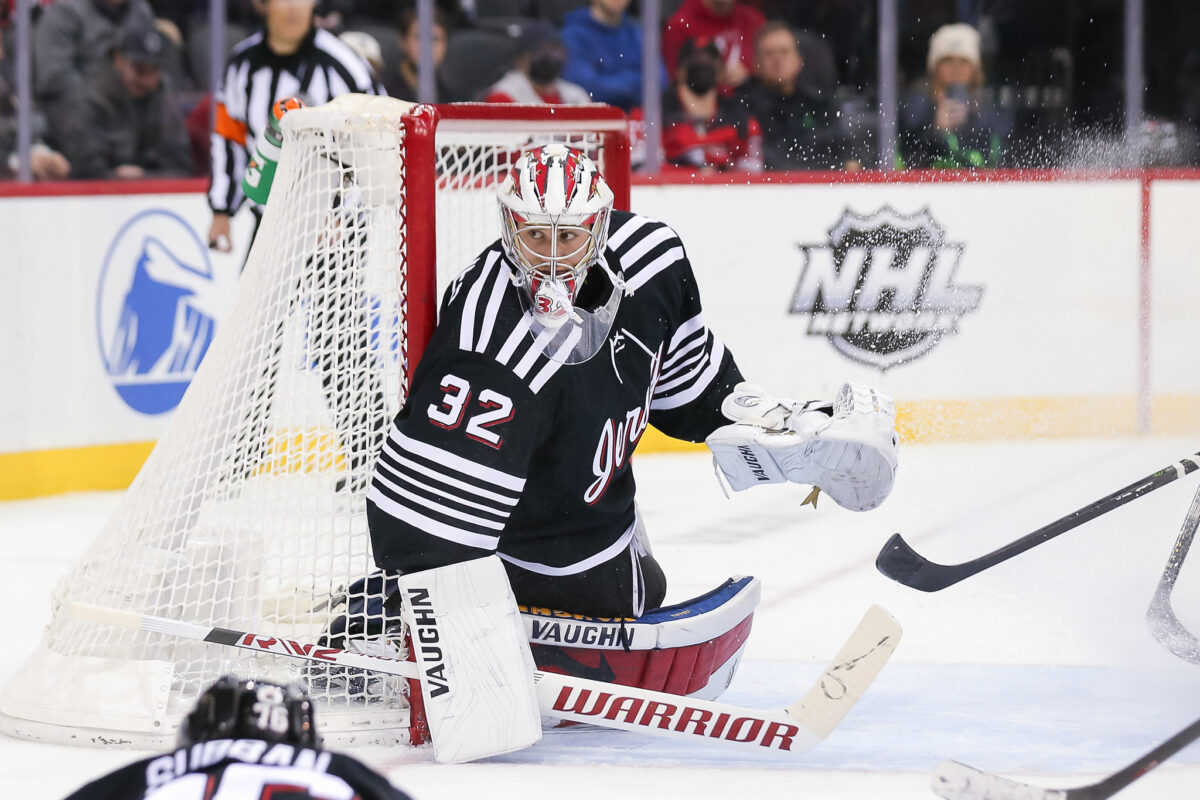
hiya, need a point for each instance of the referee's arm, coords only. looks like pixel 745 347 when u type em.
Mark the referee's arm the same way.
pixel 228 144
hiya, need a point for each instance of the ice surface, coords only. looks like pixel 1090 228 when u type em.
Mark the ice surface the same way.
pixel 1041 669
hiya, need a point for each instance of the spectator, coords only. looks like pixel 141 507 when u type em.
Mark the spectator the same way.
pixel 401 79
pixel 799 126
pixel 943 122
pixel 290 56
pixel 730 24
pixel 245 740
pixel 73 43
pixel 534 77
pixel 46 164
pixel 131 118
pixel 604 53
pixel 701 129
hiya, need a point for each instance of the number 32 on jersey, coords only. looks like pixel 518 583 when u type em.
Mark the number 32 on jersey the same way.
pixel 489 409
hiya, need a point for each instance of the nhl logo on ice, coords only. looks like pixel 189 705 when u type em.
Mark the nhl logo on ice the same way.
pixel 882 289
pixel 156 309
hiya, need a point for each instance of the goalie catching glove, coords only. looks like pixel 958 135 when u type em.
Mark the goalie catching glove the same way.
pixel 846 448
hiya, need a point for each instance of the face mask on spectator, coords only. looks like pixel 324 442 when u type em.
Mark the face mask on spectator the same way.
pixel 701 76
pixel 545 67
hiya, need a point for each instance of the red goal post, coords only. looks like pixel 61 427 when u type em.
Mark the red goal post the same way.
pixel 250 511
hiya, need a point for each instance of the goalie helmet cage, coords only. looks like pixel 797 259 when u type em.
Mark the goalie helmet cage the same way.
pixel 250 511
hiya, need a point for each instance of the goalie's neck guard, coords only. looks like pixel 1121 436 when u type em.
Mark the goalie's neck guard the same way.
pixel 592 309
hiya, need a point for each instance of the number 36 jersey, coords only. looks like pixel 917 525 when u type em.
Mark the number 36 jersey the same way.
pixel 502 448
pixel 242 769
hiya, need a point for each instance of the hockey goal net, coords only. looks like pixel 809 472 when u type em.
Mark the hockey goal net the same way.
pixel 250 512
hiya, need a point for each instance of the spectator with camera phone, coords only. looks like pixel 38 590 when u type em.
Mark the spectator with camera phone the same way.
pixel 944 120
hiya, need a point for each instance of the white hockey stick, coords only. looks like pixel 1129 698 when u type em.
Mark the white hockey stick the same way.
pixel 954 780
pixel 794 730
pixel 1165 626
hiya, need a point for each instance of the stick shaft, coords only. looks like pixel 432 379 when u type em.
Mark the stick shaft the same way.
pixel 898 561
pixel 956 781
pixel 1122 778
pixel 1182 544
pixel 1164 623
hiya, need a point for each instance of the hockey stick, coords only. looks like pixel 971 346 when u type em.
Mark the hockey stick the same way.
pixel 795 730
pixel 956 781
pixel 898 561
pixel 1165 626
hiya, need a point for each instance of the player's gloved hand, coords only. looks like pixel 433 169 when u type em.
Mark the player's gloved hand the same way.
pixel 846 448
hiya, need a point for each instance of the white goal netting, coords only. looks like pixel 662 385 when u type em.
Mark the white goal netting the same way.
pixel 250 512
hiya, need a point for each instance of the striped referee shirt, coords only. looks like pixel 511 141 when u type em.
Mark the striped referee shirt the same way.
pixel 322 68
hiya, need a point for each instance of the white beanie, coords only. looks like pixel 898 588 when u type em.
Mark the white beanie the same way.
pixel 958 39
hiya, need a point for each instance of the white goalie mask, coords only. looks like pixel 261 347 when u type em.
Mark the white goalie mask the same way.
pixel 554 210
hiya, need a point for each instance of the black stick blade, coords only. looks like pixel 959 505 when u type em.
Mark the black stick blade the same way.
pixel 904 565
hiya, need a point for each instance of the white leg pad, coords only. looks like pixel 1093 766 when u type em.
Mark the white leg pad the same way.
pixel 476 667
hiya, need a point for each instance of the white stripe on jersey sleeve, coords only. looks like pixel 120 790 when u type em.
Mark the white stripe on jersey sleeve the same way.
pixel 668 379
pixel 436 507
pixel 636 253
pixel 466 333
pixel 444 479
pixel 392 480
pixel 672 256
pixel 492 309
pixel 519 332
pixel 556 361
pixel 531 355
pixel 455 462
pixel 683 355
pixel 631 227
pixel 681 334
pixel 431 526
pixel 698 387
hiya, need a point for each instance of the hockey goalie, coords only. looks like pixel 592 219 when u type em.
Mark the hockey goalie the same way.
pixel 505 481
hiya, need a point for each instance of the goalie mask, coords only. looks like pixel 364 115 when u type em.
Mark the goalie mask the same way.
pixel 554 210
pixel 233 708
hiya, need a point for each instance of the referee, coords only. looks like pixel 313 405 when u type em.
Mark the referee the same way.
pixel 289 57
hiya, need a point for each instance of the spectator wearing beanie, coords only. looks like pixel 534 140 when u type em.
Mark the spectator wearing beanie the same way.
pixel 944 122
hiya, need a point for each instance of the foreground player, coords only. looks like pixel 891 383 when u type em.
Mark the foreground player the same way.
pixel 509 464
pixel 245 740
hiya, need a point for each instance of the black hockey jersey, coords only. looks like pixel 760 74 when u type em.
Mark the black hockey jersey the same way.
pixel 242 769
pixel 502 448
